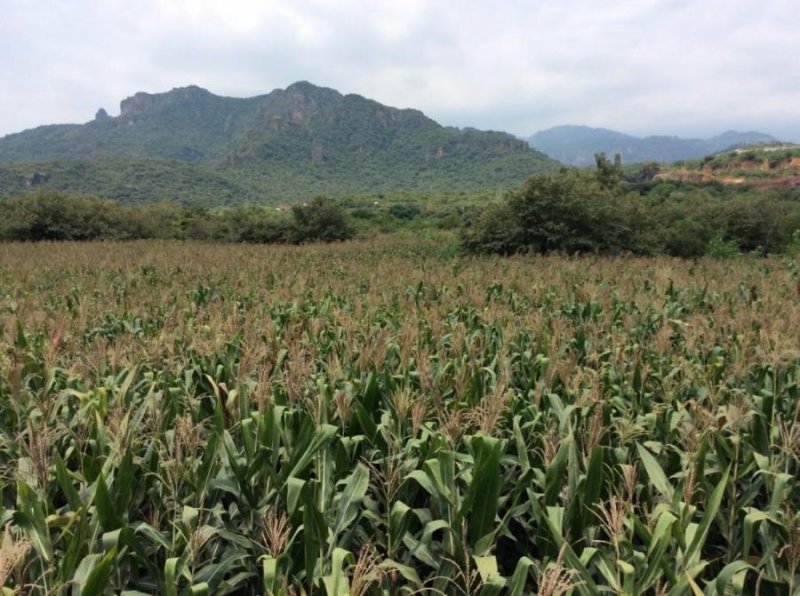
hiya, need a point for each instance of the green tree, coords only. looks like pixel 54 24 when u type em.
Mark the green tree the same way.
pixel 56 215
pixel 567 211
pixel 608 174
pixel 321 219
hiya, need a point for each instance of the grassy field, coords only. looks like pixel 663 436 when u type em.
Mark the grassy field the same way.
pixel 381 417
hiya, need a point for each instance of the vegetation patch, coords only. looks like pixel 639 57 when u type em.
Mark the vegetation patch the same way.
pixel 608 210
pixel 383 417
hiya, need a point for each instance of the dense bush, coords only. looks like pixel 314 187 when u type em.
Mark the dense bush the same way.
pixel 56 215
pixel 404 211
pixel 567 211
pixel 321 219
pixel 251 224
pixel 579 212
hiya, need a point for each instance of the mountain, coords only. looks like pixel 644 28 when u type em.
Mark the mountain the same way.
pixel 576 145
pixel 191 145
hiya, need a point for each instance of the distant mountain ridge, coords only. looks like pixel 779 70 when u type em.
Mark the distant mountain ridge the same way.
pixel 577 145
pixel 284 145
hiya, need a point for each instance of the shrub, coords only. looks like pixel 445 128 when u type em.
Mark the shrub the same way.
pixel 320 220
pixel 566 211
pixel 686 237
pixel 404 211
pixel 793 248
pixel 56 215
pixel 722 249
pixel 496 230
pixel 252 224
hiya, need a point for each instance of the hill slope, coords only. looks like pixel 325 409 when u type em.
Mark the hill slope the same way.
pixel 284 145
pixel 773 166
pixel 576 145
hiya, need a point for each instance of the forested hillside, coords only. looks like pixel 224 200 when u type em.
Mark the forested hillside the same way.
pixel 190 145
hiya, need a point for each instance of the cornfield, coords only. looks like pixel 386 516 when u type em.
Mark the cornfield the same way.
pixel 382 417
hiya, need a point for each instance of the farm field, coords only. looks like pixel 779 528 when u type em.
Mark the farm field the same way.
pixel 383 417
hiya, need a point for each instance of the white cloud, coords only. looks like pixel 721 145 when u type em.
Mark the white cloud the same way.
pixel 644 66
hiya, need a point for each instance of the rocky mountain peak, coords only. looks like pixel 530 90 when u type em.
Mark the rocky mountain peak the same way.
pixel 286 143
pixel 142 103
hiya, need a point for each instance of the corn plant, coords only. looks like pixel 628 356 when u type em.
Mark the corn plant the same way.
pixel 387 418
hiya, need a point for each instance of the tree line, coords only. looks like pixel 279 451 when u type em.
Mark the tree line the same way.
pixel 57 215
pixel 604 212
pixel 599 211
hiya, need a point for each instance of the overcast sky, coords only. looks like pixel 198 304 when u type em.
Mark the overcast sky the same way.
pixel 683 67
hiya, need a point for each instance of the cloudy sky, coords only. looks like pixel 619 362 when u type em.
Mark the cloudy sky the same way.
pixel 684 67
